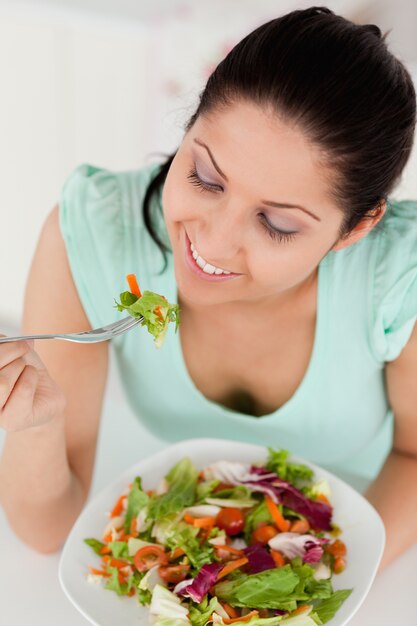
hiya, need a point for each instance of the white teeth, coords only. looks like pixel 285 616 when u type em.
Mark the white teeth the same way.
pixel 206 267
pixel 209 269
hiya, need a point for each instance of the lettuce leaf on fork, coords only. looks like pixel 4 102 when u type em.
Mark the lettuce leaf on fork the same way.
pixel 155 309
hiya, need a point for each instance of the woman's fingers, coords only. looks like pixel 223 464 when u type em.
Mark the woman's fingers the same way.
pixel 13 350
pixel 17 413
pixel 8 377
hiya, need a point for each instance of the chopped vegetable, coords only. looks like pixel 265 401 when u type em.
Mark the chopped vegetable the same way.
pixel 155 310
pixel 259 553
pixel 147 557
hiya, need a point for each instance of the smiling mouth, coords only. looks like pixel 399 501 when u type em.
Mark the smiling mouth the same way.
pixel 203 267
pixel 207 267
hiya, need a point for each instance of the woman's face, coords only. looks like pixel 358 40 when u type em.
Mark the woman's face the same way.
pixel 229 193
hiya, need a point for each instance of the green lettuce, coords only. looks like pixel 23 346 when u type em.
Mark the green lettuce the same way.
pixel 267 590
pixel 95 545
pixel 113 583
pixel 145 306
pixel 253 518
pixel 119 549
pixel 326 609
pixel 182 481
pixel 199 613
pixel 173 533
pixel 136 501
pixel 294 473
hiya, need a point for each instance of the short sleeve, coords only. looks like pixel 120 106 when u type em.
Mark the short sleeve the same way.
pixel 393 280
pixel 90 223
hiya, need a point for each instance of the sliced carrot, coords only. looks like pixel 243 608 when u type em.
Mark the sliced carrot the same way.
pixel 229 549
pixel 158 312
pixel 204 522
pixel 133 285
pixel 189 519
pixel 301 609
pixel 230 610
pixel 282 524
pixel 323 498
pixel 131 592
pixel 133 527
pixel 339 565
pixel 98 572
pixel 105 550
pixel 231 565
pixel 337 548
pixel 300 526
pixel 114 562
pixel 244 618
pixel 175 554
pixel 118 507
pixel 278 557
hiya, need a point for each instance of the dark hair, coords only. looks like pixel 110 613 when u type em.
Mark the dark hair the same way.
pixel 338 82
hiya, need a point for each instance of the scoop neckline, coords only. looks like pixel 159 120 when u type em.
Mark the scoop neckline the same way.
pixel 307 380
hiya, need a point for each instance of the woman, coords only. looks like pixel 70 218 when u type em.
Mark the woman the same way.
pixel 295 273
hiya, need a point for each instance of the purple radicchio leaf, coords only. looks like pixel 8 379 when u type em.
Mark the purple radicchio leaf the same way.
pixel 259 558
pixel 308 547
pixel 318 513
pixel 313 551
pixel 200 585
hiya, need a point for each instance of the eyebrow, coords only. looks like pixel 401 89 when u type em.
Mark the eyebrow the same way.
pixel 279 205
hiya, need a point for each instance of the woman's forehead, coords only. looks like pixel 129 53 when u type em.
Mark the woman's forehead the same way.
pixel 256 148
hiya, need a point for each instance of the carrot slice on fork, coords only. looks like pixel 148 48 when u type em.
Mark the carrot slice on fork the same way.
pixel 133 284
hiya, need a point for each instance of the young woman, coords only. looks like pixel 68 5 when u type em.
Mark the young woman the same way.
pixel 298 309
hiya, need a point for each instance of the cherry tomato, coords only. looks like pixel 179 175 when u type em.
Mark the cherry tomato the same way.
pixel 230 520
pixel 263 534
pixel 148 556
pixel 173 573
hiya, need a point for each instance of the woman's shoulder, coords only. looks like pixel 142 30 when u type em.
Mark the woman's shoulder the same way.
pixel 393 272
pixel 102 225
pixel 98 193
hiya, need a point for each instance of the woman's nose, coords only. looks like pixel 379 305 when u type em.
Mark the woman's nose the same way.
pixel 221 238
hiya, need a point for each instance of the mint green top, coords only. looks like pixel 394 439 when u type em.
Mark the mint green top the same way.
pixel 339 416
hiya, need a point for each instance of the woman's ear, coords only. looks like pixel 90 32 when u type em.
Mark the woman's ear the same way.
pixel 362 228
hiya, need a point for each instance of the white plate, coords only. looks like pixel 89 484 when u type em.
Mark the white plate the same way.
pixel 363 533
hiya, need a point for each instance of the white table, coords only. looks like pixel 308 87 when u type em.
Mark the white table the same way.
pixel 30 592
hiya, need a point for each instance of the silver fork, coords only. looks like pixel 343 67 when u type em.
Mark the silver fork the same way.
pixel 88 336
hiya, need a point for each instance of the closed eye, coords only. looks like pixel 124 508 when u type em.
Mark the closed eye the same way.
pixel 195 180
pixel 274 233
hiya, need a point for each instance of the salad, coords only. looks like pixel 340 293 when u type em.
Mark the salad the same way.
pixel 234 543
pixel 156 311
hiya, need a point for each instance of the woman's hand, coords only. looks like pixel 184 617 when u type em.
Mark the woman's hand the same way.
pixel 28 395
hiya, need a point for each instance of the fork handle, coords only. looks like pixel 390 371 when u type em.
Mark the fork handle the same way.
pixel 23 338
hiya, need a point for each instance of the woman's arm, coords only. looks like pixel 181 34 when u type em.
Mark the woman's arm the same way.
pixel 394 492
pixel 45 471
